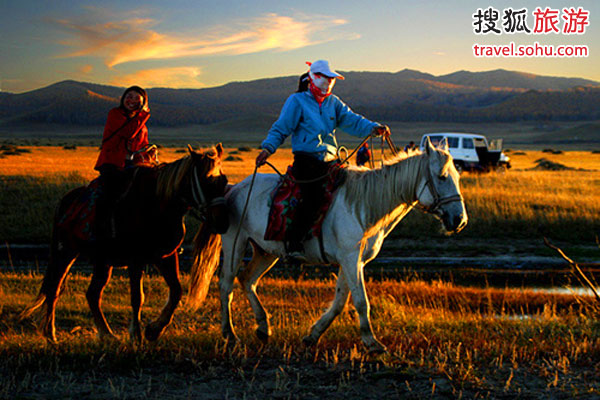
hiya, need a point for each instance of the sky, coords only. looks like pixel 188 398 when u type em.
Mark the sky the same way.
pixel 197 43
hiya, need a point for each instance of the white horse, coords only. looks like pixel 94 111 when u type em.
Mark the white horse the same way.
pixel 364 211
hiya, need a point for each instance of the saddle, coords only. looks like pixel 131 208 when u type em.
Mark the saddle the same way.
pixel 286 196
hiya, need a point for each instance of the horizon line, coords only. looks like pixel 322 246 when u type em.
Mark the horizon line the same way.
pixel 533 75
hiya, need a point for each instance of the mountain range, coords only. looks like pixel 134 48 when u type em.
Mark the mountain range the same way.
pixel 407 95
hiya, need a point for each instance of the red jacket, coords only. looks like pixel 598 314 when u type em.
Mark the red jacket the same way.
pixel 131 135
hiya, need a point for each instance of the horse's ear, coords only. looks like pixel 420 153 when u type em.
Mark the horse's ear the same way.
pixel 219 148
pixel 443 144
pixel 191 150
pixel 429 147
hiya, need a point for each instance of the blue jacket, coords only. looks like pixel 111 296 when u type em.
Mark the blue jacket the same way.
pixel 313 127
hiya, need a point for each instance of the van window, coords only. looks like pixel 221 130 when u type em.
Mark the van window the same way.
pixel 452 142
pixel 435 140
pixel 479 142
pixel 467 143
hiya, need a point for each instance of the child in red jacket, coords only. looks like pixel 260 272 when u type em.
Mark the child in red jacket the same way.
pixel 125 133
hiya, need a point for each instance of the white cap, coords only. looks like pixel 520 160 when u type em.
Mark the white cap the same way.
pixel 322 67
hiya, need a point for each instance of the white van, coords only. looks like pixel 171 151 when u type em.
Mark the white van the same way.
pixel 471 152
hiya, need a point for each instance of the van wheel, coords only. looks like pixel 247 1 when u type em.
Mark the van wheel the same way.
pixel 460 167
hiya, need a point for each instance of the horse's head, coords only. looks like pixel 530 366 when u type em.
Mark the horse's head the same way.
pixel 438 191
pixel 208 185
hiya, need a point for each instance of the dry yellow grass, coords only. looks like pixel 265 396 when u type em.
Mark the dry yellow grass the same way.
pixel 539 195
pixel 573 159
pixel 444 342
pixel 49 161
pixel 46 161
pixel 522 200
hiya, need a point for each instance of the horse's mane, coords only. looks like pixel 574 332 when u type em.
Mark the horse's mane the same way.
pixel 371 192
pixel 375 194
pixel 171 174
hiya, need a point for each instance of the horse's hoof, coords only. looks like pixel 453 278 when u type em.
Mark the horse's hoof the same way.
pixel 232 343
pixel 50 334
pixel 377 349
pixel 231 338
pixel 228 333
pixel 262 336
pixel 51 339
pixel 136 337
pixel 309 341
pixel 152 333
pixel 135 334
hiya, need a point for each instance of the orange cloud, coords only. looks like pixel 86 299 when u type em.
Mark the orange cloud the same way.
pixel 86 69
pixel 133 39
pixel 177 77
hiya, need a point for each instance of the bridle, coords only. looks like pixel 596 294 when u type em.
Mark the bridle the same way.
pixel 201 204
pixel 438 200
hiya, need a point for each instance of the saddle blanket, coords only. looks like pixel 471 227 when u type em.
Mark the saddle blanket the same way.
pixel 79 217
pixel 133 205
pixel 285 198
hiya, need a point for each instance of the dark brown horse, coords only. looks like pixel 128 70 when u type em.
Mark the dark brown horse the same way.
pixel 149 230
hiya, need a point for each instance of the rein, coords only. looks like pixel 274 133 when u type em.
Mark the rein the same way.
pixel 201 203
pixel 388 140
pixel 237 234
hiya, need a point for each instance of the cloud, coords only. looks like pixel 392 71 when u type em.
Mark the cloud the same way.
pixel 85 69
pixel 134 38
pixel 175 77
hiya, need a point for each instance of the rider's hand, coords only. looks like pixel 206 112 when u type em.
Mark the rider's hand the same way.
pixel 262 157
pixel 381 130
pixel 146 108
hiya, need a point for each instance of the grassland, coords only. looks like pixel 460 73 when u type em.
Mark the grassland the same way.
pixel 518 204
pixel 444 342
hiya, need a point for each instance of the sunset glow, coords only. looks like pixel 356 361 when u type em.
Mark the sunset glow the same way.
pixel 204 45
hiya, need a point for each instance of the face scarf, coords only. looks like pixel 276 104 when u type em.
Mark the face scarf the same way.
pixel 320 87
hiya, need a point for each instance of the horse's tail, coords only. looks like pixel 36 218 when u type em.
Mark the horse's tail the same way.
pixel 55 272
pixel 43 293
pixel 206 255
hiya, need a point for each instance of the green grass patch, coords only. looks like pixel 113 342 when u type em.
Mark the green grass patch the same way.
pixel 28 205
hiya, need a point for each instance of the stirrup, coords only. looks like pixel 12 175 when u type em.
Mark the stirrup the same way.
pixel 296 254
pixel 295 257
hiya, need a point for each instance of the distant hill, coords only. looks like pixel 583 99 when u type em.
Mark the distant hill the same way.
pixel 510 79
pixel 407 95
pixel 66 102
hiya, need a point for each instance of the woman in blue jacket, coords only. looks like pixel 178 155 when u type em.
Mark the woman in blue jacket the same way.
pixel 311 117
